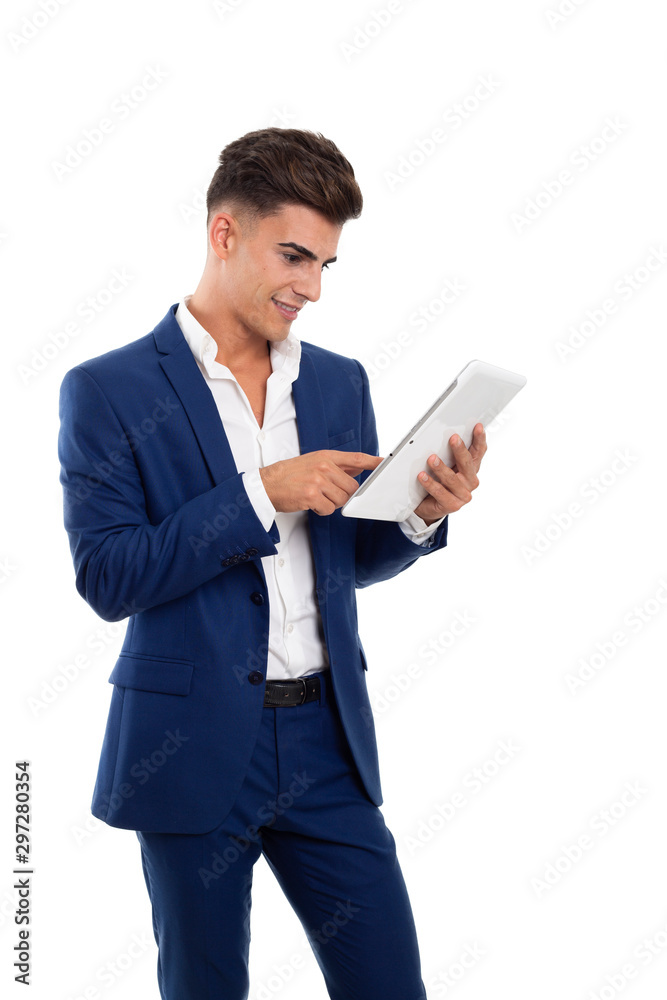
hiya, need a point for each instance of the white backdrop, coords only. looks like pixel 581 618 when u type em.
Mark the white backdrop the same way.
pixel 512 161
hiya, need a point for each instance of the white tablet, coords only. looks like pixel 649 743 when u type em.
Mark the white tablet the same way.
pixel 477 395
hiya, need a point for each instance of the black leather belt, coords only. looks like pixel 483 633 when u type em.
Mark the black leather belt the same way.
pixel 297 692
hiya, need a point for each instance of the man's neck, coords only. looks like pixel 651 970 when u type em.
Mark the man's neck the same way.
pixel 236 350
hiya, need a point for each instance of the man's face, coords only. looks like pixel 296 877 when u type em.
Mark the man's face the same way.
pixel 279 265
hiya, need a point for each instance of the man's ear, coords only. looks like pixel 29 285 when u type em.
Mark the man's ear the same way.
pixel 222 233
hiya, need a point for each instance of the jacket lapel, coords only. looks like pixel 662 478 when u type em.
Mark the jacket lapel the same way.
pixel 313 435
pixel 183 372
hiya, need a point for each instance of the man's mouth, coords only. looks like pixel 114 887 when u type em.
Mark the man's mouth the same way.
pixel 289 312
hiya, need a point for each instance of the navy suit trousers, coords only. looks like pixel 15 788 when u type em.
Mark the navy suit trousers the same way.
pixel 303 806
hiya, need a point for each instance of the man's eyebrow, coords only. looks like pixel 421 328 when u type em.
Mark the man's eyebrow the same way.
pixel 307 253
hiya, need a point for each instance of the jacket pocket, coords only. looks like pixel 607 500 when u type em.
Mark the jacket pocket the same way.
pixel 164 675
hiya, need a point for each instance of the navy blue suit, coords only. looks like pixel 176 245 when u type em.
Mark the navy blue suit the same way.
pixel 162 532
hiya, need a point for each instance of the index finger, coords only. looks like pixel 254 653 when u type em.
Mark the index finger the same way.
pixel 478 445
pixel 354 461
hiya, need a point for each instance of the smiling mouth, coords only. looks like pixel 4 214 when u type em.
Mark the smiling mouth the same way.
pixel 290 312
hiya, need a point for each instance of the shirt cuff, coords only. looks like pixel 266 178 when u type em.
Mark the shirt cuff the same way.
pixel 418 531
pixel 259 498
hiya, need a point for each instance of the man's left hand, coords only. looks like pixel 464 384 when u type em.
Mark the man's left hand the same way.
pixel 449 489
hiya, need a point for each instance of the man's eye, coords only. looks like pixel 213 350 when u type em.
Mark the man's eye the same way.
pixel 291 257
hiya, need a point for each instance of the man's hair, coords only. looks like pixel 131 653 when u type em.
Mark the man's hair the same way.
pixel 272 167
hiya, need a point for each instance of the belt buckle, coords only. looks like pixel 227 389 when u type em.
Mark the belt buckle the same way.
pixel 304 692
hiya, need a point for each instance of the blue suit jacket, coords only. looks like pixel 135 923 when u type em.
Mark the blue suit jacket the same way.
pixel 162 532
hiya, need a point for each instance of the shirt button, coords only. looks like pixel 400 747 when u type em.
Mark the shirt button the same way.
pixel 281 562
pixel 257 598
pixel 255 677
pixel 290 627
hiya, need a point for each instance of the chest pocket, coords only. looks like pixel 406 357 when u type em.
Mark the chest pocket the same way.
pixel 345 437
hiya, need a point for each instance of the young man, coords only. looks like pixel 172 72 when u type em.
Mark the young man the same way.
pixel 204 466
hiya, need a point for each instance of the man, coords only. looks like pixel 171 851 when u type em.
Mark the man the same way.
pixel 204 466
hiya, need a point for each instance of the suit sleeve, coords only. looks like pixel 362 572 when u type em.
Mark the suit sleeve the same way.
pixel 382 547
pixel 124 563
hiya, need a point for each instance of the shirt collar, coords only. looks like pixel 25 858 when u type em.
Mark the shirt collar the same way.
pixel 285 354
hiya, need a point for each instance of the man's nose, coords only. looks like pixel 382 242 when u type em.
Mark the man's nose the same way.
pixel 308 286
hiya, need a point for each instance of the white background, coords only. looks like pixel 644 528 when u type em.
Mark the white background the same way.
pixel 542 590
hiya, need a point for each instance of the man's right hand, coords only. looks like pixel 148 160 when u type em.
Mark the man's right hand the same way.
pixel 319 480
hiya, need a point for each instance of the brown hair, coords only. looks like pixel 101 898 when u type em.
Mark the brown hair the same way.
pixel 272 167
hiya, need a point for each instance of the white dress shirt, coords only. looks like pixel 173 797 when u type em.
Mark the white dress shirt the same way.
pixel 296 637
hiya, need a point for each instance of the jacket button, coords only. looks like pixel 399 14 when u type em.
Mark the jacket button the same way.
pixel 257 598
pixel 242 557
pixel 255 677
pixel 226 562
pixel 252 552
